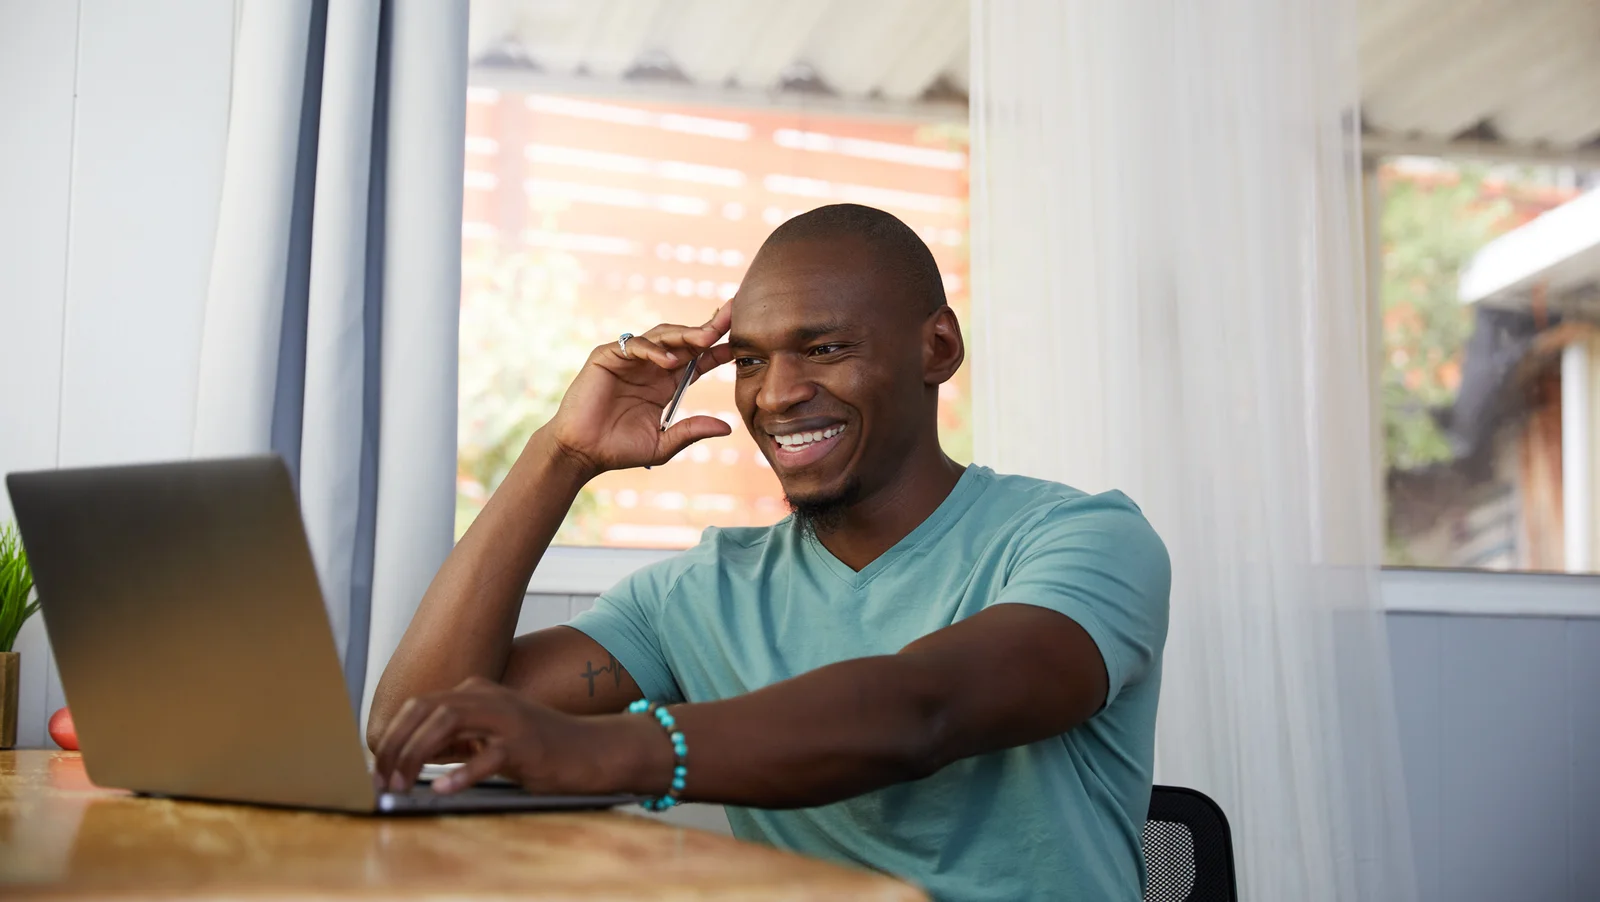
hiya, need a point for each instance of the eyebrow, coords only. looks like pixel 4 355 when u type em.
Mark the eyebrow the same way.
pixel 800 336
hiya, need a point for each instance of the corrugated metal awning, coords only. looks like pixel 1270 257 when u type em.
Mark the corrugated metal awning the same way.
pixel 897 50
pixel 1506 77
pixel 1512 74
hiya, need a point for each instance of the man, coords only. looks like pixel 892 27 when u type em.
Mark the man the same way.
pixel 929 669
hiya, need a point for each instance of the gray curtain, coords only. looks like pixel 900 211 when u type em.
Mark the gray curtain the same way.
pixel 330 333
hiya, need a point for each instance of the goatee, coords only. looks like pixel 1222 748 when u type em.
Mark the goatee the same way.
pixel 823 513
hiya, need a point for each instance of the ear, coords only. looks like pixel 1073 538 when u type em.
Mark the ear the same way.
pixel 943 349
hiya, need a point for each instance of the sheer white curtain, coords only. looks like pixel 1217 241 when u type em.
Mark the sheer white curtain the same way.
pixel 1166 245
pixel 330 323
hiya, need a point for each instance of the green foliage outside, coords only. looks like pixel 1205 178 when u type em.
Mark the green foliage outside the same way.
pixel 16 588
pixel 521 343
pixel 1430 229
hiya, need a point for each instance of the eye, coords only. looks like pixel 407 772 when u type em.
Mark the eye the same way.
pixel 824 350
pixel 745 362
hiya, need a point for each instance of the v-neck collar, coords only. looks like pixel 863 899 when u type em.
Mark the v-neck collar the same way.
pixel 967 489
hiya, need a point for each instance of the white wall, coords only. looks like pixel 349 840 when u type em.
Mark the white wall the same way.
pixel 1500 736
pixel 113 121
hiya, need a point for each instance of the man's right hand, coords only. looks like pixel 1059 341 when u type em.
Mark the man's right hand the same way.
pixel 610 417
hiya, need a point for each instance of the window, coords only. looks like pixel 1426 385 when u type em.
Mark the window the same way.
pixel 1490 376
pixel 590 215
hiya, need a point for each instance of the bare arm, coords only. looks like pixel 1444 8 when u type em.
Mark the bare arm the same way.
pixel 609 419
pixel 1010 675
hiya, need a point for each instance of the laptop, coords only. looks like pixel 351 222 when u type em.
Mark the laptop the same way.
pixel 187 622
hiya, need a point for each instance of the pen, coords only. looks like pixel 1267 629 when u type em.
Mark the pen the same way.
pixel 677 396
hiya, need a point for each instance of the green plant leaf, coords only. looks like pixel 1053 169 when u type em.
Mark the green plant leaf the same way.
pixel 16 588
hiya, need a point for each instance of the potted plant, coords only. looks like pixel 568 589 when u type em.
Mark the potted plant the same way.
pixel 16 606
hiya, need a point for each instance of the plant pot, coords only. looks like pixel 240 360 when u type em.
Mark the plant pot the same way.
pixel 10 677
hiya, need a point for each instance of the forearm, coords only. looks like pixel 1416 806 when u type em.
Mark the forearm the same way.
pixel 827 735
pixel 1006 677
pixel 465 622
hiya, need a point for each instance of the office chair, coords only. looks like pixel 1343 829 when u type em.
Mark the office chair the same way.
pixel 1188 849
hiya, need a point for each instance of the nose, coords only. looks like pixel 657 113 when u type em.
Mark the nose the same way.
pixel 784 384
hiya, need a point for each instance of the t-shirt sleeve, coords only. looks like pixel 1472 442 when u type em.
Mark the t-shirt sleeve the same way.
pixel 1098 561
pixel 623 622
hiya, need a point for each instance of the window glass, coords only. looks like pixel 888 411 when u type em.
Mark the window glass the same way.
pixel 1490 371
pixel 587 216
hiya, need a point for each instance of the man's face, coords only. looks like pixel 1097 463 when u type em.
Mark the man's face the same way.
pixel 829 366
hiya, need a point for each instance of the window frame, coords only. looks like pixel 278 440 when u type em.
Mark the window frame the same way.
pixel 1447 591
pixel 577 570
pixel 580 570
pixel 1489 593
pixel 586 570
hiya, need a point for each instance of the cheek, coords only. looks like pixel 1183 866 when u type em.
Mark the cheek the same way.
pixel 744 398
pixel 870 389
pixel 899 398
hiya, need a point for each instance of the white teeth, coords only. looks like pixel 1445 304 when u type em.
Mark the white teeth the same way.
pixel 801 439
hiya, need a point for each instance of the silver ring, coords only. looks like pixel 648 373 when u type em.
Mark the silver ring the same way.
pixel 622 343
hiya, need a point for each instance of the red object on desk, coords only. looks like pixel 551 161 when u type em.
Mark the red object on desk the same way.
pixel 63 731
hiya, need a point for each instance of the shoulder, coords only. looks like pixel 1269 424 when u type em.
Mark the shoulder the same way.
pixel 719 551
pixel 1048 515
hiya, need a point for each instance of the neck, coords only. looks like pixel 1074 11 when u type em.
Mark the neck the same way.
pixel 876 522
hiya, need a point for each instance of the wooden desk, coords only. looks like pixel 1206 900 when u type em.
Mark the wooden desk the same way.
pixel 61 837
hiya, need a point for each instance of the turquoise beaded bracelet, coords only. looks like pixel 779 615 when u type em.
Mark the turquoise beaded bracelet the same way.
pixel 680 753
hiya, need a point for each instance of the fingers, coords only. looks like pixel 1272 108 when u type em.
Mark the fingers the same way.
pixel 722 320
pixel 486 763
pixel 412 713
pixel 405 723
pixel 669 344
pixel 463 714
pixel 708 360
pixel 439 729
pixel 697 338
pixel 713 358
pixel 681 435
pixel 642 348
pixel 687 341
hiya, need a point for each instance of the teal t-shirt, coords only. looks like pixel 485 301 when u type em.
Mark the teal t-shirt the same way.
pixel 1058 819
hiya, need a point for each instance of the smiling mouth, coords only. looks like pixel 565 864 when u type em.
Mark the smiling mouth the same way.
pixel 799 441
pixel 799 449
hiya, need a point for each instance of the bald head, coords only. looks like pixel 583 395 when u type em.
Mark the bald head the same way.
pixel 897 250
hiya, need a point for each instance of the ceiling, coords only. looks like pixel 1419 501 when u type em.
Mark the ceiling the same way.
pixel 1502 77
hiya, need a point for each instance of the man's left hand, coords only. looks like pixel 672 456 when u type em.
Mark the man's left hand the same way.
pixel 500 732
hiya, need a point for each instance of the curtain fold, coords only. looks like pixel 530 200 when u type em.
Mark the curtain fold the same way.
pixel 337 441
pixel 1166 239
pixel 329 333
pixel 426 135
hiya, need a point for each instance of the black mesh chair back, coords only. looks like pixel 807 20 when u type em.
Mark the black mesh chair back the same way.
pixel 1188 849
